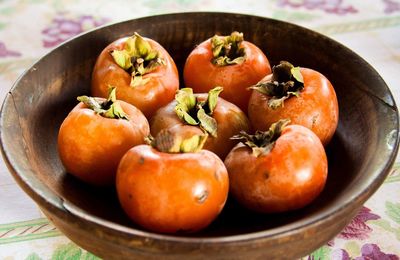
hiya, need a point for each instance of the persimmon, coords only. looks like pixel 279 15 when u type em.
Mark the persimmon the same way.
pixel 227 61
pixel 96 134
pixel 303 95
pixel 172 186
pixel 282 169
pixel 201 112
pixel 144 73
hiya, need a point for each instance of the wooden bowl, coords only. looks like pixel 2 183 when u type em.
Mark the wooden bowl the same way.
pixel 360 154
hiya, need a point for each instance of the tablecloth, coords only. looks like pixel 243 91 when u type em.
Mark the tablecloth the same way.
pixel 31 28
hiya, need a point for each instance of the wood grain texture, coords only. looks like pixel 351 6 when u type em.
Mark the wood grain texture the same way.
pixel 360 154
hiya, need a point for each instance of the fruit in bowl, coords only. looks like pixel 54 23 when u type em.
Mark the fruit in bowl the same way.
pixel 200 112
pixel 96 134
pixel 172 186
pixel 141 69
pixel 229 62
pixel 279 170
pixel 303 95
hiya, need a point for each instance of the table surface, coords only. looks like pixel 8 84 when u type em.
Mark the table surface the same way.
pixel 31 28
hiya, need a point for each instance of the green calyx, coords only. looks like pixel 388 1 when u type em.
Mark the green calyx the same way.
pixel 194 112
pixel 261 142
pixel 226 49
pixel 286 81
pixel 108 108
pixel 168 142
pixel 138 58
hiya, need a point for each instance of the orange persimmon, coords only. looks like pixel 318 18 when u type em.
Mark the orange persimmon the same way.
pixel 303 95
pixel 173 186
pixel 96 134
pixel 203 112
pixel 279 170
pixel 141 69
pixel 227 61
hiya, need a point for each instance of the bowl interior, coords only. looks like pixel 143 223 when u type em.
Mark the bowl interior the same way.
pixel 360 153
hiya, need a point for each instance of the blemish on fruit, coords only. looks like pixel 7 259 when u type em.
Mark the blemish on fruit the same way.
pixel 314 121
pixel 141 160
pixel 201 198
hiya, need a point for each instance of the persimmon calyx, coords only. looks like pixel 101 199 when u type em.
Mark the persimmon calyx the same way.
pixel 109 108
pixel 227 50
pixel 169 142
pixel 194 112
pixel 286 81
pixel 262 142
pixel 138 58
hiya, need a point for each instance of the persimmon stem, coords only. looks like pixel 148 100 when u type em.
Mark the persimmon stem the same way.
pixel 261 142
pixel 109 108
pixel 194 112
pixel 169 142
pixel 227 50
pixel 286 81
pixel 138 58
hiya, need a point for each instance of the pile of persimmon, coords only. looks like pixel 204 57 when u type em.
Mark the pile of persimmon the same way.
pixel 174 153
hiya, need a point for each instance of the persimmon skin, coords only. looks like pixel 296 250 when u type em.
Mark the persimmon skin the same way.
pixel 287 178
pixel 201 75
pixel 315 108
pixel 230 121
pixel 90 146
pixel 157 92
pixel 171 193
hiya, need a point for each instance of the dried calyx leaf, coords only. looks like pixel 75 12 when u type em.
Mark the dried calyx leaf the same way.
pixel 286 81
pixel 194 112
pixel 169 142
pixel 227 50
pixel 138 58
pixel 109 108
pixel 262 142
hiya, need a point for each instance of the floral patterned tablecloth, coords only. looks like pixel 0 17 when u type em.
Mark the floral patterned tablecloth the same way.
pixel 31 28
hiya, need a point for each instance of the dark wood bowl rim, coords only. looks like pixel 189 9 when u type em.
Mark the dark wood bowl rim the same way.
pixel 46 198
